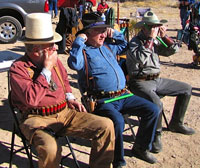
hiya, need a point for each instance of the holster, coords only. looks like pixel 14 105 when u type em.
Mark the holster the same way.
pixel 89 103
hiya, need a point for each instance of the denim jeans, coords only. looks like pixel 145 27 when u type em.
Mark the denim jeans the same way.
pixel 136 106
pixel 183 16
pixel 53 7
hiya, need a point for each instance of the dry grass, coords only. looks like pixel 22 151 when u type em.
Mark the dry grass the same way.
pixel 128 7
pixel 151 3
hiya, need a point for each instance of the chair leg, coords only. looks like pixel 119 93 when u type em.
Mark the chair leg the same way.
pixel 165 118
pixel 25 146
pixel 130 126
pixel 12 147
pixel 72 152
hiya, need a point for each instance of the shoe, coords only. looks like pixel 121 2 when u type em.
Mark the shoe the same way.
pixel 180 128
pixel 157 144
pixel 143 154
pixel 119 166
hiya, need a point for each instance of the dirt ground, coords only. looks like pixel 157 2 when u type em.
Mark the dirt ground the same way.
pixel 179 151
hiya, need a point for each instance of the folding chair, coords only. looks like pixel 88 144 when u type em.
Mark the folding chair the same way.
pixel 130 124
pixel 140 12
pixel 165 118
pixel 26 146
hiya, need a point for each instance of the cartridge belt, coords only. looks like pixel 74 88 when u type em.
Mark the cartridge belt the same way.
pixel 146 77
pixel 102 94
pixel 49 110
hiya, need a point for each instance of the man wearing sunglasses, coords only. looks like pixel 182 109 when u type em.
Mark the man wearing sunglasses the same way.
pixel 41 91
pixel 95 60
pixel 144 69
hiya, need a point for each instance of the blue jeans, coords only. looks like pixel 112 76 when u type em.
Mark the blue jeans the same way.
pixel 183 16
pixel 136 106
pixel 53 7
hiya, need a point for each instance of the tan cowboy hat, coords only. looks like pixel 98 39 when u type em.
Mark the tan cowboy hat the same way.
pixel 39 29
pixel 150 19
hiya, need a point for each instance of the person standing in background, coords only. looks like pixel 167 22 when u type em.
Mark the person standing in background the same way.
pixel 53 8
pixel 102 7
pixel 184 6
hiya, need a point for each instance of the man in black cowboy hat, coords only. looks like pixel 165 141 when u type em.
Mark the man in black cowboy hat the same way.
pixel 101 77
pixel 41 90
pixel 144 68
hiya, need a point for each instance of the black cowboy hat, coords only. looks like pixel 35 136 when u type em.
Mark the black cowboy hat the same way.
pixel 92 20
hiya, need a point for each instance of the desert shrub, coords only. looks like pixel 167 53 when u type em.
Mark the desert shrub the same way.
pixel 132 30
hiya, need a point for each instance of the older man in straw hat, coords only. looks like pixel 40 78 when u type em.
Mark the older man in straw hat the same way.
pixel 41 90
pixel 107 85
pixel 144 70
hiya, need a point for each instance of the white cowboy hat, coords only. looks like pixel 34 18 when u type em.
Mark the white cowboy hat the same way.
pixel 150 18
pixel 39 29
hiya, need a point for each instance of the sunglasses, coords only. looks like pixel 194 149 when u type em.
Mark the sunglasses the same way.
pixel 49 47
pixel 151 26
pixel 100 30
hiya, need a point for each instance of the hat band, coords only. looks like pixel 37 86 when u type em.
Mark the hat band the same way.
pixel 94 24
pixel 43 39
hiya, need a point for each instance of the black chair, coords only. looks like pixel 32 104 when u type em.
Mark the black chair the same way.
pixel 26 146
pixel 130 124
pixel 165 118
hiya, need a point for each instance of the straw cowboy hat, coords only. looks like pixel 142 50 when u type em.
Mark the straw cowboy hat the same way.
pixel 150 19
pixel 39 29
pixel 92 20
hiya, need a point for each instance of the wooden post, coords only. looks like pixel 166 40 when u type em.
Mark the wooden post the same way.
pixel 118 12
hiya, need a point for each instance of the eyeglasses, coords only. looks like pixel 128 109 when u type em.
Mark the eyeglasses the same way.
pixel 100 30
pixel 39 48
pixel 153 26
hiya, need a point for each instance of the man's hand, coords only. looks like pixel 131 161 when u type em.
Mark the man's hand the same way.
pixel 73 104
pixel 154 32
pixel 50 59
pixel 84 36
pixel 162 31
pixel 110 32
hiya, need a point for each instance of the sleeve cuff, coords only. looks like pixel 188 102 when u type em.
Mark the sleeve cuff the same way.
pixel 169 41
pixel 47 74
pixel 70 96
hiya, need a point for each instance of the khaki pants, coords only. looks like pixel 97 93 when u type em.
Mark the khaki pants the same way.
pixel 72 123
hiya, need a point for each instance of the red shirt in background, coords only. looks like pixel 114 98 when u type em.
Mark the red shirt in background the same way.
pixel 102 8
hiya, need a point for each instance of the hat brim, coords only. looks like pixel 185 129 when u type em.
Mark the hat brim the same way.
pixel 56 38
pixel 84 29
pixel 142 23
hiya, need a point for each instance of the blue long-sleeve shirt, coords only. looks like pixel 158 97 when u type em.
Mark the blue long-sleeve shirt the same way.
pixel 102 64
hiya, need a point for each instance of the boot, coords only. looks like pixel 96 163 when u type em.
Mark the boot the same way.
pixel 157 144
pixel 176 123
pixel 143 154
